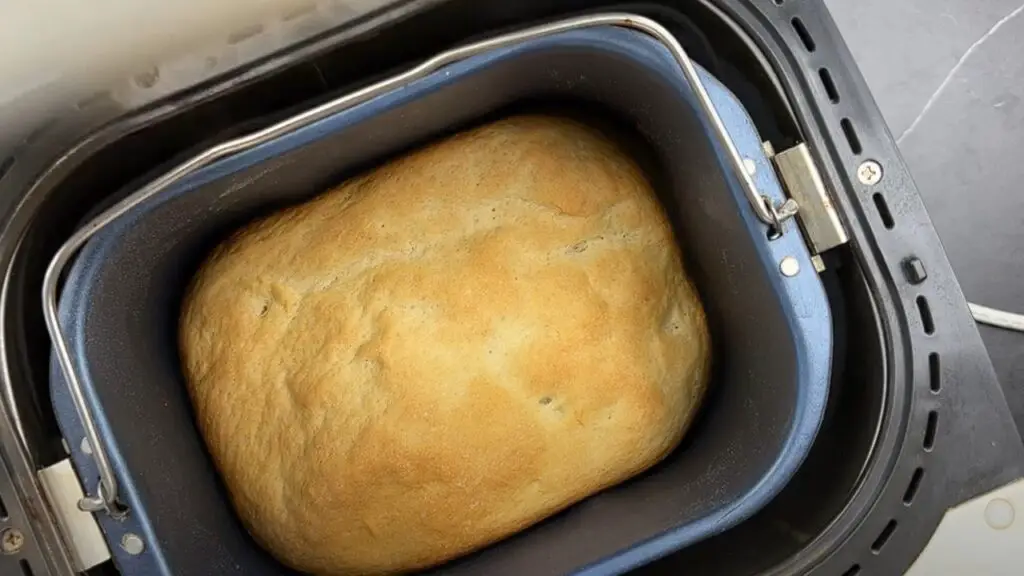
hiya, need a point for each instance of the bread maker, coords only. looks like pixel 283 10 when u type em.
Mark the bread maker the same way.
pixel 852 402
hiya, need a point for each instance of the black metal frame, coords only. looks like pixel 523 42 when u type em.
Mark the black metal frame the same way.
pixel 946 434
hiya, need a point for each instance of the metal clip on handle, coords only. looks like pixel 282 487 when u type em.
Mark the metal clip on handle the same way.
pixel 106 493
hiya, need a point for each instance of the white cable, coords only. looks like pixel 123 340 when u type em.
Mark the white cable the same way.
pixel 997 318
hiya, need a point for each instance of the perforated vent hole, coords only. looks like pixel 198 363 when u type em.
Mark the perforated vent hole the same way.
pixel 883 537
pixel 851 136
pixel 805 36
pixel 883 211
pixel 26 569
pixel 925 311
pixel 829 85
pixel 3 511
pixel 853 571
pixel 915 483
pixel 930 429
pixel 934 373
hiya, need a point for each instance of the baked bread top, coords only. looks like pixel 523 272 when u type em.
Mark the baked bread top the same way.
pixel 444 350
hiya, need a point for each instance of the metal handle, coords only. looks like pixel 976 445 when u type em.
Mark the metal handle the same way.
pixel 106 493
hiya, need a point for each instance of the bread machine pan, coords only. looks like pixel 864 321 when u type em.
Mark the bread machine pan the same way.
pixel 766 307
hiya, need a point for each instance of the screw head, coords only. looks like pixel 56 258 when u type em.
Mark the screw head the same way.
pixel 789 266
pixel 132 544
pixel 869 172
pixel 11 541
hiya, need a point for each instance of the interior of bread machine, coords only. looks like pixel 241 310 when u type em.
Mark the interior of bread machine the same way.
pixel 780 408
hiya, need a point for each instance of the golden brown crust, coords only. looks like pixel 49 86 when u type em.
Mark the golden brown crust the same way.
pixel 445 350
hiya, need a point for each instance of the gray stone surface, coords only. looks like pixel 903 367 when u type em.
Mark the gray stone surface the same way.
pixel 949 78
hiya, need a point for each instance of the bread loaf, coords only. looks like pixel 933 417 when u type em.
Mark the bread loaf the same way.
pixel 444 350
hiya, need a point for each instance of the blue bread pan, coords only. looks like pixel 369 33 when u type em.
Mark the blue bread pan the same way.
pixel 772 333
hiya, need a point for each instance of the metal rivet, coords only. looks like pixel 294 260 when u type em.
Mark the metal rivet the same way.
pixel 749 166
pixel 869 172
pixel 999 514
pixel 86 447
pixel 914 270
pixel 132 544
pixel 11 541
pixel 789 266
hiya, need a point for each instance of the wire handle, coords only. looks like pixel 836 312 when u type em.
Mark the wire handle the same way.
pixel 105 496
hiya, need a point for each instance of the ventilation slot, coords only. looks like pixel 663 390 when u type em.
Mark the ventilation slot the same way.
pixel 245 33
pixel 930 429
pixel 934 373
pixel 3 511
pixel 5 165
pixel 883 211
pixel 829 85
pixel 25 568
pixel 927 322
pixel 915 483
pixel 853 571
pixel 851 136
pixel 805 36
pixel 92 100
pixel 300 12
pixel 886 533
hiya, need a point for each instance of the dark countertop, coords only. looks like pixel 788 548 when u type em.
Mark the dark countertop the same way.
pixel 948 76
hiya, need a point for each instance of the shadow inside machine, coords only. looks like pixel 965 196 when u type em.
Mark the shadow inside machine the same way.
pixel 823 485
